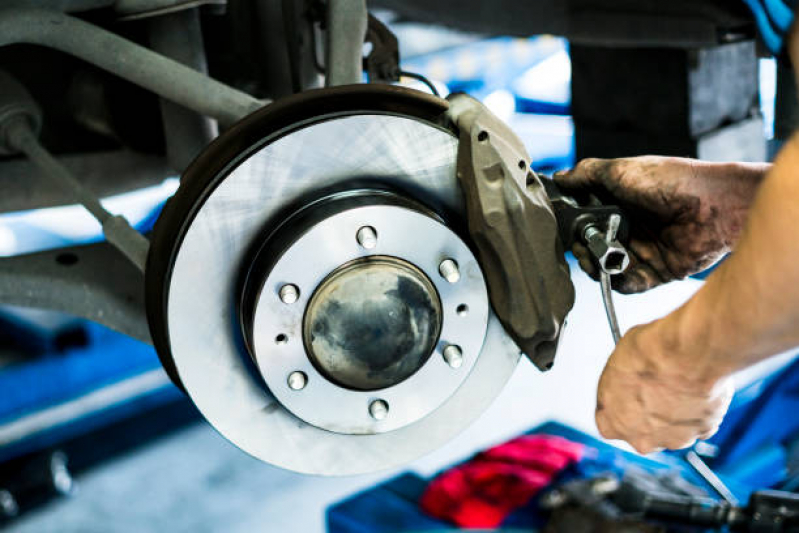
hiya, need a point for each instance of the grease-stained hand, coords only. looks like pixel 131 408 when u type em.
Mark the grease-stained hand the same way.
pixel 684 214
pixel 651 399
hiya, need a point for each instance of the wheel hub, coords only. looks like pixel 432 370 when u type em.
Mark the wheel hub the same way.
pixel 367 320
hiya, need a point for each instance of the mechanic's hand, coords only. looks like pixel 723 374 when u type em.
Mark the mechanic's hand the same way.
pixel 684 214
pixel 651 400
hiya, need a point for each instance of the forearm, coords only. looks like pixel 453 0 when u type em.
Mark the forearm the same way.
pixel 748 309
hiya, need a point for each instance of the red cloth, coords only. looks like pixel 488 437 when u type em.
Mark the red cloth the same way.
pixel 483 491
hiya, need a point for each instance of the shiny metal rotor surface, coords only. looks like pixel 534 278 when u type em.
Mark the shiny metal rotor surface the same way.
pixel 201 303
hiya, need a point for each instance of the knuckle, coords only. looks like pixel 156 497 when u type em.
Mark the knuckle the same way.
pixel 587 163
pixel 604 426
pixel 642 446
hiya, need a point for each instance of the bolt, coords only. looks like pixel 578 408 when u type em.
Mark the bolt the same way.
pixel 378 409
pixel 367 237
pixel 289 293
pixel 453 356
pixel 297 380
pixel 611 256
pixel 449 270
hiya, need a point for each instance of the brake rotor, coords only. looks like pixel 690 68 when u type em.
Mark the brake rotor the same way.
pixel 310 286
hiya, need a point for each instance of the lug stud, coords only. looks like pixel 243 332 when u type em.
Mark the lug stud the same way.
pixel 367 237
pixel 449 270
pixel 289 293
pixel 453 356
pixel 297 380
pixel 378 409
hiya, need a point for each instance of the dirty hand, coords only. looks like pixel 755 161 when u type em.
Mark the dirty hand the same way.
pixel 653 400
pixel 684 214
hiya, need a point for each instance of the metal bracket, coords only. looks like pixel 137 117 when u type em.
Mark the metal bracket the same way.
pixel 382 63
pixel 93 281
pixel 346 30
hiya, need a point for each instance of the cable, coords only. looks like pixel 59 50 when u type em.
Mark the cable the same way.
pixel 422 79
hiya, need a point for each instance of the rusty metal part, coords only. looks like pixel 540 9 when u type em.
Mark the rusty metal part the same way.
pixel 514 228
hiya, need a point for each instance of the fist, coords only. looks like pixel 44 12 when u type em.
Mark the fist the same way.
pixel 684 214
pixel 652 401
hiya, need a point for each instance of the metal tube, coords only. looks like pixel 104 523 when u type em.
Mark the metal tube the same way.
pixel 610 309
pixel 163 76
pixel 179 36
pixel 24 188
pixel 23 139
pixel 136 9
pixel 116 228
pixel 701 468
pixel 73 6
pixel 346 30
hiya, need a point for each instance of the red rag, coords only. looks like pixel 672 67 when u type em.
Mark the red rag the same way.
pixel 482 492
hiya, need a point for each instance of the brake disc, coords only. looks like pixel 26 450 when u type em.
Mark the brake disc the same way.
pixel 311 288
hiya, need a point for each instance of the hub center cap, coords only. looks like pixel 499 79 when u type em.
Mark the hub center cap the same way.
pixel 372 323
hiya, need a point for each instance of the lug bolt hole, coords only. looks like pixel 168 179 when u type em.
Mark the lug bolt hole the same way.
pixel 281 339
pixel 66 259
pixel 462 310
